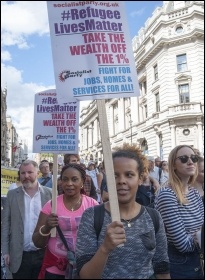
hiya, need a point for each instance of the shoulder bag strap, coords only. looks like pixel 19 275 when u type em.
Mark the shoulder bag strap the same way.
pixel 62 237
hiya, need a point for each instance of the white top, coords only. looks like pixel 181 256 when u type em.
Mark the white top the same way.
pixel 155 174
pixel 93 175
pixel 32 210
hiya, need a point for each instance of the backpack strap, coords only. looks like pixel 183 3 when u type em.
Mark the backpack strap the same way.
pixel 154 217
pixel 45 181
pixel 99 212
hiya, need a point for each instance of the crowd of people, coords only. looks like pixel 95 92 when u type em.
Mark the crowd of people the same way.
pixel 159 235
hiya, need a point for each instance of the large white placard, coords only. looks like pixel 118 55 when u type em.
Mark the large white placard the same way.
pixel 55 124
pixel 92 50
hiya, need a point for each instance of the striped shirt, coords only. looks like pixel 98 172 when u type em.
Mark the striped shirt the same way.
pixel 181 221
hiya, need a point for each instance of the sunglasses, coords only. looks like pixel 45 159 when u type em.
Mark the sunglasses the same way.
pixel 185 158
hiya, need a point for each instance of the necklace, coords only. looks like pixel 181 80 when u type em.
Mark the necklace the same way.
pixel 73 207
pixel 128 222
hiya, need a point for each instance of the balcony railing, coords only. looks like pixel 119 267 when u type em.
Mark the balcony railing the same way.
pixel 185 109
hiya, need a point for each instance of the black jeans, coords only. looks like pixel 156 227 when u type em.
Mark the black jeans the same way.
pixel 49 275
pixel 30 265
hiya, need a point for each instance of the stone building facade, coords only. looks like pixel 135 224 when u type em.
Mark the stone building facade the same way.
pixel 3 126
pixel 169 57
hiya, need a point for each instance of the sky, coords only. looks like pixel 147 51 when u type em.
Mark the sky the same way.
pixel 26 57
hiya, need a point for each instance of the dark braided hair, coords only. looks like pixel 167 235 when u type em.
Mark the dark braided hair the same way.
pixel 75 166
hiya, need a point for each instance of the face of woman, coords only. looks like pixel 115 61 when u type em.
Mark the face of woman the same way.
pixel 127 178
pixel 71 181
pixel 186 169
pixel 165 165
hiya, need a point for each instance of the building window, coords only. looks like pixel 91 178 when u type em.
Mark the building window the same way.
pixel 144 147
pixel 184 93
pixel 157 102
pixel 179 29
pixel 145 111
pixel 186 132
pixel 141 93
pixel 181 63
pixel 155 72
pixel 145 87
pixel 127 102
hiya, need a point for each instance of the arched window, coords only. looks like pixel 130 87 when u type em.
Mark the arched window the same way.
pixel 144 147
pixel 179 29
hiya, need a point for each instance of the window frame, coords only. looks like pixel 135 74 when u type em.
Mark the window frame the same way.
pixel 184 95
pixel 157 101
pixel 181 66
pixel 156 72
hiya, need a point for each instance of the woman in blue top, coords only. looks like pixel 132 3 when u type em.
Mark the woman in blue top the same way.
pixel 182 211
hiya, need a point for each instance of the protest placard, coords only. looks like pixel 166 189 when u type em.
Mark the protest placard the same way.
pixel 55 124
pixel 55 130
pixel 92 56
pixel 8 176
pixel 92 53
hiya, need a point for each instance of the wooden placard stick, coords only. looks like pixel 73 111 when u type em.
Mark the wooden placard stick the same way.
pixel 109 170
pixel 54 189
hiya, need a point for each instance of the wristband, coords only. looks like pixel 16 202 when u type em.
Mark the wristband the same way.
pixel 43 234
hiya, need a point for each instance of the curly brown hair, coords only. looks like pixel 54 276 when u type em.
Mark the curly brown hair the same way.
pixel 132 151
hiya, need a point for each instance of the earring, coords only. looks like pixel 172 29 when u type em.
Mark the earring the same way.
pixel 82 187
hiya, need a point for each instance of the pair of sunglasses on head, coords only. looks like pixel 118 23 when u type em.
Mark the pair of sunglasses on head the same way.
pixel 184 159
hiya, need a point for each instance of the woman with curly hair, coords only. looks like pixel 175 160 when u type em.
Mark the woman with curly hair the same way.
pixel 182 211
pixel 140 231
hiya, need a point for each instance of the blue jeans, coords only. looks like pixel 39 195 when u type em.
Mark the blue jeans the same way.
pixel 184 265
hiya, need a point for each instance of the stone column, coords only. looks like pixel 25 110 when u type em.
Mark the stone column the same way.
pixel 199 134
pixel 121 114
pixel 85 138
pixel 95 132
pixel 173 135
pixel 135 110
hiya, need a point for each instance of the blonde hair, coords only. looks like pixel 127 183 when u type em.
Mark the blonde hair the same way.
pixel 174 180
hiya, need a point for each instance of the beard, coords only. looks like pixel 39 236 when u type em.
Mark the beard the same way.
pixel 29 184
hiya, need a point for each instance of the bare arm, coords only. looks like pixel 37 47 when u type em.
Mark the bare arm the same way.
pixel 105 196
pixel 48 222
pixel 155 183
pixel 99 260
